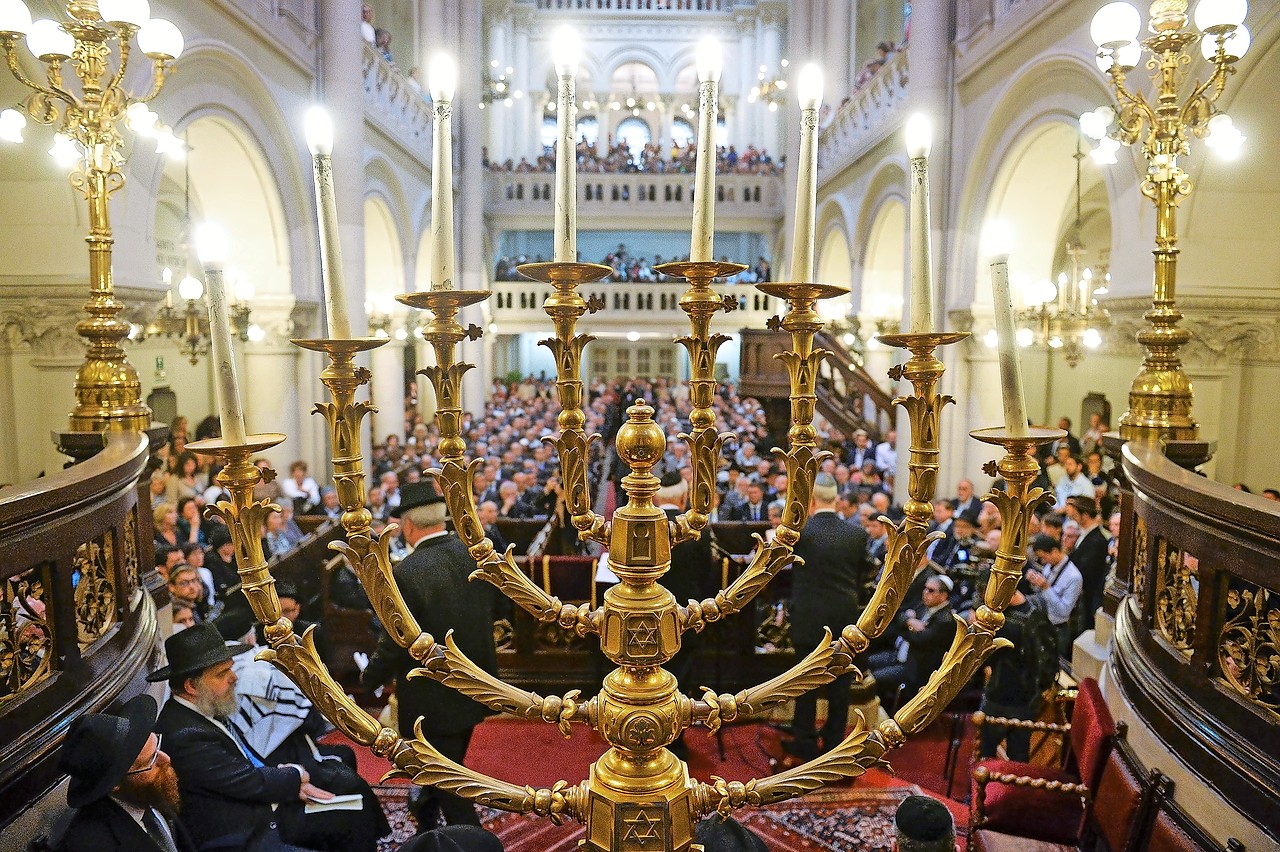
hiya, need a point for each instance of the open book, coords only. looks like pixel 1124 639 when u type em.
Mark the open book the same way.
pixel 349 802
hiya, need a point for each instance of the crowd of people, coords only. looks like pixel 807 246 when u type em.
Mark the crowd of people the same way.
pixel 616 157
pixel 632 268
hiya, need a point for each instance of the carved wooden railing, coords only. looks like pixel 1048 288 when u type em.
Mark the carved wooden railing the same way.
pixel 844 379
pixel 78 628
pixel 1197 642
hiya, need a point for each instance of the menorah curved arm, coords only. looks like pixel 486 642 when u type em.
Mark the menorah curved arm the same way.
pixel 159 73
pixel 454 477
pixel 705 447
pixel 971 646
pixel 15 67
pixel 770 558
pixel 455 670
pixel 820 666
pixel 908 540
pixel 370 559
pixel 573 446
pixel 861 750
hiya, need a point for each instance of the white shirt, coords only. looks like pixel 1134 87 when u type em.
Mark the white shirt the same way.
pixel 886 457
pixel 366 30
pixel 1081 486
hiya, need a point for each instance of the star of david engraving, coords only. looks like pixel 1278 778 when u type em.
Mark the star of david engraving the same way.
pixel 643 826
pixel 642 635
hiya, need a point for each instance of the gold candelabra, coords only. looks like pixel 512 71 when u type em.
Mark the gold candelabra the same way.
pixel 191 324
pixel 639 796
pixel 108 392
pixel 1160 397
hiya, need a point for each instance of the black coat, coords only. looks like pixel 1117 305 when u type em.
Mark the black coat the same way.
pixel 1090 556
pixel 226 801
pixel 928 646
pixel 433 580
pixel 691 569
pixel 826 590
pixel 104 826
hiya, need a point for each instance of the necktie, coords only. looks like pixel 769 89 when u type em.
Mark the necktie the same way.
pixel 244 748
pixel 755 513
pixel 158 831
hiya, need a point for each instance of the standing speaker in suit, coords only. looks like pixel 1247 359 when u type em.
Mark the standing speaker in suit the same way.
pixel 825 592
pixel 122 785
pixel 1090 556
pixel 434 582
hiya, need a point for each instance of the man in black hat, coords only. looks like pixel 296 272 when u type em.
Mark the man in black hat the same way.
pixel 433 579
pixel 122 784
pixel 229 796
pixel 923 824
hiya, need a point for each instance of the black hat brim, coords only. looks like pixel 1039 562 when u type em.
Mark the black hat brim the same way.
pixel 200 663
pixel 140 712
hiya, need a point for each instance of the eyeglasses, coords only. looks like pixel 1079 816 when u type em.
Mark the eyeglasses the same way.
pixel 933 589
pixel 154 757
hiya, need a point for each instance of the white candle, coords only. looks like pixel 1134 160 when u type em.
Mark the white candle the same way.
pixel 319 133
pixel 809 90
pixel 998 238
pixel 211 245
pixel 567 49
pixel 442 79
pixel 919 140
pixel 710 61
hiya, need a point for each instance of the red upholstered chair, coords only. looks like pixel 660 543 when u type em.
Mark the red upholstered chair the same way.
pixel 1118 827
pixel 1045 802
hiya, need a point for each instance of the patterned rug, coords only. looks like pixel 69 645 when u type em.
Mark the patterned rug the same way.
pixel 825 821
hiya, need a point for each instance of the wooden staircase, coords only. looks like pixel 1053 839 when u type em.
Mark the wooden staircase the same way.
pixel 848 397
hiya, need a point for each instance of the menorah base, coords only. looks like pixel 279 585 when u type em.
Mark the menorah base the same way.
pixel 640 803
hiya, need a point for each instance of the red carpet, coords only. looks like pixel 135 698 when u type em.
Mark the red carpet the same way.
pixel 851 815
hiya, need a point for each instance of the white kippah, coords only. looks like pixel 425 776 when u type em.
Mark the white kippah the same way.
pixel 946 581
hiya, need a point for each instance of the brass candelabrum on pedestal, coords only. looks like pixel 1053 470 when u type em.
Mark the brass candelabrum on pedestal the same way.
pixel 639 796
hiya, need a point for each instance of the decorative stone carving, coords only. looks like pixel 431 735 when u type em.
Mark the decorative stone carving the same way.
pixel 1224 330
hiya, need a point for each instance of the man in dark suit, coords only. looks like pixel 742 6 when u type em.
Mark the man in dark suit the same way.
pixel 944 522
pixel 230 799
pixel 1071 442
pixel 754 509
pixel 1090 556
pixel 122 785
pixel 825 591
pixel 966 500
pixel 859 451
pixel 433 580
pixel 926 635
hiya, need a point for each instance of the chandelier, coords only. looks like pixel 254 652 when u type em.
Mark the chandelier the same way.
pixel 770 90
pixel 1064 315
pixel 190 324
pixel 496 87
pixel 86 112
pixel 1161 125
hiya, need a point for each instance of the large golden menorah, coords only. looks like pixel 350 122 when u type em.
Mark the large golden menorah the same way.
pixel 639 796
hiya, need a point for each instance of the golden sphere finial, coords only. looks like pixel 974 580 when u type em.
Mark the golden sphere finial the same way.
pixel 640 441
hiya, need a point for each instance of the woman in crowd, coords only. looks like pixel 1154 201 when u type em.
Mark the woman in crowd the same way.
pixel 190 524
pixel 166 525
pixel 186 480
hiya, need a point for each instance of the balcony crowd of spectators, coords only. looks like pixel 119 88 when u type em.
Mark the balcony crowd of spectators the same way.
pixel 653 158
pixel 629 267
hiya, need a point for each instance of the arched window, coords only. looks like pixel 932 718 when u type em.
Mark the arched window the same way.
pixel 588 129
pixel 682 132
pixel 634 77
pixel 636 133
pixel 548 134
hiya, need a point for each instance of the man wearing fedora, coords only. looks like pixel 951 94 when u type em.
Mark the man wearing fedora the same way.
pixel 122 784
pixel 433 579
pixel 231 800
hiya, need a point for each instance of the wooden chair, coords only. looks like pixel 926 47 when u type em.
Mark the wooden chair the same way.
pixel 1046 802
pixel 1118 827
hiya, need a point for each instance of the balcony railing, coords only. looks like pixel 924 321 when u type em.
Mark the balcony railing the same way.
pixel 1197 649
pixel 630 6
pixel 517 306
pixel 396 107
pixel 524 199
pixel 872 114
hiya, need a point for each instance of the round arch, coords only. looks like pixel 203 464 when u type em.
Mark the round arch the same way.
pixel 834 266
pixel 383 256
pixel 1034 120
pixel 249 206
pixel 884 261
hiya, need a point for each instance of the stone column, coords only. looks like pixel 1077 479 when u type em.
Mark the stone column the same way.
pixel 273 400
pixel 835 65
pixel 526 136
pixel 499 118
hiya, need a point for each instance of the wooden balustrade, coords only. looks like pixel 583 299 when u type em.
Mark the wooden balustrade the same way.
pixel 78 619
pixel 1198 638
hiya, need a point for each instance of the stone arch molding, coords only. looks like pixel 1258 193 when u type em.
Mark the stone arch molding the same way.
pixel 1052 88
pixel 216 80
pixel 887 185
